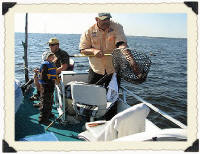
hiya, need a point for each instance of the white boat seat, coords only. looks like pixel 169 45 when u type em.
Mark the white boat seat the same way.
pixel 127 122
pixel 89 100
pixel 169 134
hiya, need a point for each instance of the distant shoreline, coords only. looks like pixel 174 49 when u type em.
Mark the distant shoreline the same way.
pixel 126 35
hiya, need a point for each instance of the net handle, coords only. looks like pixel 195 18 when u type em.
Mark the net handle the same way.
pixel 82 55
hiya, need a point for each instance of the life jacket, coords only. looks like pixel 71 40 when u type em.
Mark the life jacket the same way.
pixel 51 71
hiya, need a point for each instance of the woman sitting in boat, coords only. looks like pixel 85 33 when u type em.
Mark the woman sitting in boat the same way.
pixel 61 61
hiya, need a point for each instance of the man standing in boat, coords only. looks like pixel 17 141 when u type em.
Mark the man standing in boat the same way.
pixel 102 38
pixel 61 61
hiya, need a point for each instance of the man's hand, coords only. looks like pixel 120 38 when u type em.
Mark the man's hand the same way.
pixel 63 67
pixel 92 51
pixel 123 45
pixel 132 62
pixel 98 53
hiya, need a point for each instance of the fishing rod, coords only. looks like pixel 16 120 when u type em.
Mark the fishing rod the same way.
pixel 54 121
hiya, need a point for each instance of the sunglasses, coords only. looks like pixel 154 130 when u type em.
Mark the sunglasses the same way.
pixel 52 44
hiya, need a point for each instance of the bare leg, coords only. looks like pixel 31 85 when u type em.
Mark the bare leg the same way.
pixel 36 82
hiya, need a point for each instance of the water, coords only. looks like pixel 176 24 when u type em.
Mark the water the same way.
pixel 166 86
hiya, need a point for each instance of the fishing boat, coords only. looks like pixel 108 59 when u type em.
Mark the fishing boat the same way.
pixel 83 113
pixel 80 110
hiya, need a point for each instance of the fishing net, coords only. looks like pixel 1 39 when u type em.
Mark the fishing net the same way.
pixel 130 65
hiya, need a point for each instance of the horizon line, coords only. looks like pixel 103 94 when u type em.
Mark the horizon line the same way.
pixel 126 35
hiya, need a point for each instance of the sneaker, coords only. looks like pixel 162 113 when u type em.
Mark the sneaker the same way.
pixel 37 105
pixel 51 116
pixel 35 97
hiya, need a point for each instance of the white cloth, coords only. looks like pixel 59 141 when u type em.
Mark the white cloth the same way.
pixel 130 121
pixel 112 94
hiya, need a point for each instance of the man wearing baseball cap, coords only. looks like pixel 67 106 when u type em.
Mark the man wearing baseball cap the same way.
pixel 61 56
pixel 102 38
pixel 61 61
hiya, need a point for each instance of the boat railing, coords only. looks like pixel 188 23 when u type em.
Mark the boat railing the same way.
pixel 126 91
pixel 60 97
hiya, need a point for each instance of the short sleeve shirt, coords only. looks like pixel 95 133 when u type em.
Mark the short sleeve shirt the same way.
pixel 62 58
pixel 104 41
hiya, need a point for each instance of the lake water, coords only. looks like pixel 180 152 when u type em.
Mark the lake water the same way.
pixel 165 87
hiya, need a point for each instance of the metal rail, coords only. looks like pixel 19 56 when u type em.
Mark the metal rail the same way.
pixel 61 99
pixel 124 90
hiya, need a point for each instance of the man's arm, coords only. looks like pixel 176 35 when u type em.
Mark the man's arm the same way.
pixel 121 41
pixel 64 62
pixel 92 51
pixel 86 46
pixel 63 67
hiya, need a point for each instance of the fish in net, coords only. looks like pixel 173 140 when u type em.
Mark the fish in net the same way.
pixel 130 65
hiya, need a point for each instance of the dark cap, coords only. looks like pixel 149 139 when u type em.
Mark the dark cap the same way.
pixel 103 16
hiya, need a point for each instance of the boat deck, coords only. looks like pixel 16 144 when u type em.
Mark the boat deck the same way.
pixel 26 123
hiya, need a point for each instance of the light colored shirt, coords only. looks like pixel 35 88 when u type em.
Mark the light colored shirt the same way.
pixel 104 41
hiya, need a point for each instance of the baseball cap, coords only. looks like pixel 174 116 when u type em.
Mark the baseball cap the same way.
pixel 53 41
pixel 46 54
pixel 103 16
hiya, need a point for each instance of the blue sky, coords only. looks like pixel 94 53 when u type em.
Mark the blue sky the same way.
pixel 166 25
pixel 135 24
